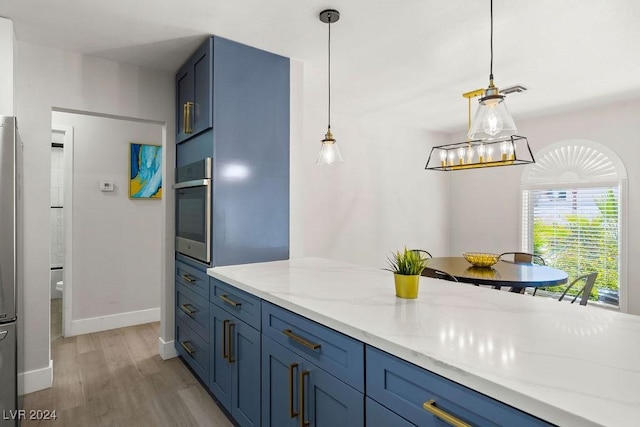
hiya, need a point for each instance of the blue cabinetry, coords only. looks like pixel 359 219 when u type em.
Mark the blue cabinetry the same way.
pixel 247 136
pixel 295 392
pixel 426 399
pixel 193 94
pixel 235 359
pixel 310 373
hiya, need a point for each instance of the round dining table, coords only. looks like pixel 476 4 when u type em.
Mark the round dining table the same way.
pixel 503 273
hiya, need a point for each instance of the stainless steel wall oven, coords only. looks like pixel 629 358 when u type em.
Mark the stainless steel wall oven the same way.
pixel 193 210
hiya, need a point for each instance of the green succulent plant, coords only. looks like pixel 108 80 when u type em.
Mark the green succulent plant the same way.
pixel 407 262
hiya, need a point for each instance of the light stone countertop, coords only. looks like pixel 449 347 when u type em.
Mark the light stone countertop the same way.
pixel 568 364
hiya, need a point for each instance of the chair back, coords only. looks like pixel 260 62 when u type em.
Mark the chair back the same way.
pixel 422 252
pixel 524 258
pixel 444 275
pixel 585 291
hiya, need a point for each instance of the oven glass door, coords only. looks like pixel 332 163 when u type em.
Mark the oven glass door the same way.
pixel 193 218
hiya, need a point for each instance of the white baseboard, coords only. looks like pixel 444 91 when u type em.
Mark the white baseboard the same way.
pixel 166 349
pixel 36 380
pixel 113 321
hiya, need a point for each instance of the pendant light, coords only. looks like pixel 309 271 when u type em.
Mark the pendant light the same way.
pixel 329 153
pixel 492 119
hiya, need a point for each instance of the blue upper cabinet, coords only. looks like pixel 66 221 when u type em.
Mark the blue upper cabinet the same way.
pixel 194 93
pixel 233 106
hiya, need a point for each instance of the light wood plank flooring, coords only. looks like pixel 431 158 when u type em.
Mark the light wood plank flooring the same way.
pixel 116 378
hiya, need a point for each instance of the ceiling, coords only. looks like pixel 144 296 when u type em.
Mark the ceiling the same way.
pixel 405 62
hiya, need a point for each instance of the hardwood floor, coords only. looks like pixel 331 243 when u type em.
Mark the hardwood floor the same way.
pixel 116 378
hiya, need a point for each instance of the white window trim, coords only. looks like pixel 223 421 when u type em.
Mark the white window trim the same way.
pixel 620 179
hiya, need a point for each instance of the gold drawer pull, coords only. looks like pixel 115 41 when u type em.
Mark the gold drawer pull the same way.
pixel 303 398
pixel 186 347
pixel 229 301
pixel 430 406
pixel 188 308
pixel 230 332
pixel 300 340
pixel 292 413
pixel 225 341
pixel 189 278
pixel 186 117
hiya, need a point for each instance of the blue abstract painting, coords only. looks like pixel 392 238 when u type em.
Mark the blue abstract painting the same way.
pixel 145 178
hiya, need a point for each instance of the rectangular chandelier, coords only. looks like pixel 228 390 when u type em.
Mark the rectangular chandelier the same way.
pixel 506 151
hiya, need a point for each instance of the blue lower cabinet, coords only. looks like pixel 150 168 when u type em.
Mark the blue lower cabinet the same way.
pixel 235 366
pixel 378 416
pixel 193 349
pixel 427 399
pixel 297 392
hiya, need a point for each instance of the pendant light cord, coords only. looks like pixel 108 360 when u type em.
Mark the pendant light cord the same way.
pixel 329 74
pixel 491 65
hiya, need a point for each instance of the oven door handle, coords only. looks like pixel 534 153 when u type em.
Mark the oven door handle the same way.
pixel 194 183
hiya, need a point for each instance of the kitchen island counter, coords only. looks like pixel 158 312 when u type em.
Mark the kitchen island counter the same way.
pixel 567 364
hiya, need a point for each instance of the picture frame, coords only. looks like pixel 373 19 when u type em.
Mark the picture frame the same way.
pixel 145 171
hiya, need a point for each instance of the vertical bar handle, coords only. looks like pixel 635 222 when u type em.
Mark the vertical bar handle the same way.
pixel 292 413
pixel 186 117
pixel 303 398
pixel 230 338
pixel 225 324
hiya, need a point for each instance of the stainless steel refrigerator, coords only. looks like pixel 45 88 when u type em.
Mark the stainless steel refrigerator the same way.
pixel 9 399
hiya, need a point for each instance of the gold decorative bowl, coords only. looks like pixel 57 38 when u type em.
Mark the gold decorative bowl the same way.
pixel 481 259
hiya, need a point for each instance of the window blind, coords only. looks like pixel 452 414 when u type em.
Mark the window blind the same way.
pixel 576 230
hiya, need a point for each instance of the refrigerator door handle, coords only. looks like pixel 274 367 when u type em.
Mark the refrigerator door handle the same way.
pixel 3 334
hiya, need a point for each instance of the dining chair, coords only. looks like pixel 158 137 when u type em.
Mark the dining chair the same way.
pixel 443 275
pixel 422 252
pixel 523 258
pixel 585 291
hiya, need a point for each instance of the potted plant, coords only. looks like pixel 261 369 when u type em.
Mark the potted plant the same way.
pixel 406 266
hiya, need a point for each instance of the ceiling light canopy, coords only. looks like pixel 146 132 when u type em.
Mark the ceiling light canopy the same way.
pixel 329 152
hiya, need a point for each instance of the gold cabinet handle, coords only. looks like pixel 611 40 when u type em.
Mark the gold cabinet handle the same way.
pixel 188 308
pixel 225 325
pixel 300 340
pixel 230 338
pixel 229 301
pixel 430 406
pixel 292 413
pixel 186 117
pixel 189 278
pixel 186 347
pixel 303 398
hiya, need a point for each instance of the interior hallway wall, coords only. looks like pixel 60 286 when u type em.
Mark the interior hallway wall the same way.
pixel 485 204
pixel 116 240
pixel 49 78
pixel 7 60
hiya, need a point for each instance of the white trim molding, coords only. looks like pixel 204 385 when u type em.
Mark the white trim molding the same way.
pixel 113 321
pixel 166 349
pixel 36 380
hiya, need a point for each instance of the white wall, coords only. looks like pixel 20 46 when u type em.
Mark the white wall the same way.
pixel 485 204
pixel 116 240
pixel 6 67
pixel 380 199
pixel 46 78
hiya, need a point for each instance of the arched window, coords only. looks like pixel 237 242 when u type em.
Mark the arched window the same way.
pixel 572 214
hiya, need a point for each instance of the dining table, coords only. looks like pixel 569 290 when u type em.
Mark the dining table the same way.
pixel 518 276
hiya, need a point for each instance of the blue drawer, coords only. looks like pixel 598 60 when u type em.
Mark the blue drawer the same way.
pixel 377 415
pixel 192 278
pixel 194 350
pixel 244 306
pixel 193 311
pixel 336 353
pixel 404 388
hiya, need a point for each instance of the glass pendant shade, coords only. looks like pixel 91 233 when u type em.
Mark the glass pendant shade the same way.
pixel 329 152
pixel 492 120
